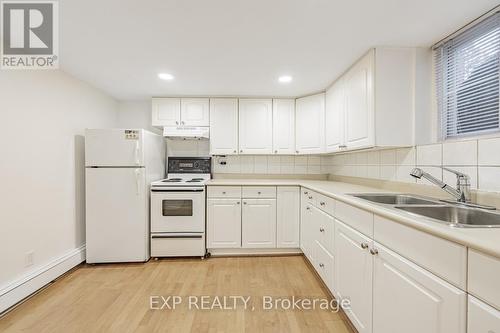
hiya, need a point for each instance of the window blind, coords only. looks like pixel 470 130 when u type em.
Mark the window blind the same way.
pixel 467 80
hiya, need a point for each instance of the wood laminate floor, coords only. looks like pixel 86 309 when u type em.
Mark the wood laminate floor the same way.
pixel 117 298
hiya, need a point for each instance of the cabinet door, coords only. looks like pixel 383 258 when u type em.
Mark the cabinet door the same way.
pixel 223 126
pixel 284 126
pixel 482 318
pixel 288 217
pixel 166 112
pixel 334 117
pixel 407 298
pixel 195 112
pixel 306 226
pixel 360 118
pixel 353 275
pixel 310 124
pixel 258 223
pixel 256 126
pixel 223 223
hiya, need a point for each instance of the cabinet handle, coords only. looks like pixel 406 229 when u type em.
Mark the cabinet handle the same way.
pixel 259 192
pixel 244 202
pixel 321 265
pixel 241 150
pixel 176 122
pixel 275 151
pixel 342 146
pixel 310 197
pixel 322 203
pixel 235 151
pixel 308 208
pixel 305 192
pixel 296 151
pixel 238 203
pixel 364 246
pixel 321 230
pixel 374 251
pixel 223 192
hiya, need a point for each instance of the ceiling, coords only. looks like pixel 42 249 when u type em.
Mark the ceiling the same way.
pixel 240 48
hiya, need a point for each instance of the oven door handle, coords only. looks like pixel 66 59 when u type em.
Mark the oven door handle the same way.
pixel 177 236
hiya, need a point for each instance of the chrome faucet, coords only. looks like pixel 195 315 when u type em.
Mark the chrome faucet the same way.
pixel 461 193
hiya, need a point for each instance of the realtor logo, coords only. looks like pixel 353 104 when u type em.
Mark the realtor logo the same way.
pixel 29 35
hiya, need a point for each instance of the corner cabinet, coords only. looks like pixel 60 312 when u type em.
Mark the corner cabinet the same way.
pixel 255 126
pixel 223 126
pixel 373 103
pixel 284 126
pixel 310 124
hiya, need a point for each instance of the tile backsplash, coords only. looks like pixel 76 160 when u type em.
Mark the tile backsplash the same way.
pixel 268 164
pixel 480 159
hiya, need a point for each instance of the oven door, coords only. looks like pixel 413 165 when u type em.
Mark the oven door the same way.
pixel 178 210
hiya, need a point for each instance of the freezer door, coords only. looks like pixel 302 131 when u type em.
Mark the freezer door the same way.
pixel 114 147
pixel 117 223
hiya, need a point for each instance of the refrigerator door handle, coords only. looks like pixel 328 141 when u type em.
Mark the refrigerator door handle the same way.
pixel 137 161
pixel 137 185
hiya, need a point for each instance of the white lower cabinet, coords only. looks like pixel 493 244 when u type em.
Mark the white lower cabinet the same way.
pixel 258 223
pixel 324 264
pixel 288 217
pixel 482 318
pixel 408 298
pixel 354 275
pixel 223 223
pixel 306 228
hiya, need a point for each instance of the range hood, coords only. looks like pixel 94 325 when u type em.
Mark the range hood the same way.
pixel 186 132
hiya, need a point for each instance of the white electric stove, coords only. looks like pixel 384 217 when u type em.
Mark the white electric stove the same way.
pixel 178 208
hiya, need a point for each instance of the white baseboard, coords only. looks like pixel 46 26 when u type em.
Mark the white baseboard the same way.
pixel 31 282
pixel 253 252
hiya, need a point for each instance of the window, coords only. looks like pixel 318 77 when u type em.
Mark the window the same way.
pixel 467 80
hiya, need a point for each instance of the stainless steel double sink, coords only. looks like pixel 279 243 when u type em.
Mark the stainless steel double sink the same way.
pixel 454 215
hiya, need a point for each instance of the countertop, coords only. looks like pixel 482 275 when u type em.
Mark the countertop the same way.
pixel 486 240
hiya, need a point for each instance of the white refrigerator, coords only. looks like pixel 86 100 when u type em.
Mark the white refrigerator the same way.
pixel 120 164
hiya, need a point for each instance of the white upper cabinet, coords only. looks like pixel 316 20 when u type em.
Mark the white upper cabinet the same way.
pixel 310 124
pixel 256 126
pixel 374 102
pixel 180 112
pixel 334 117
pixel 223 126
pixel 166 112
pixel 358 81
pixel 195 112
pixel 284 126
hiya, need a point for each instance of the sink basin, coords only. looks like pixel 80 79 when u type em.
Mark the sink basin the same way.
pixel 396 199
pixel 458 216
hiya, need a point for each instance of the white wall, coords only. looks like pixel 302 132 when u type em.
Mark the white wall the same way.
pixel 135 114
pixel 43 117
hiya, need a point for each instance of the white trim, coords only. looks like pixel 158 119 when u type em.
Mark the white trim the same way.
pixel 252 252
pixel 29 283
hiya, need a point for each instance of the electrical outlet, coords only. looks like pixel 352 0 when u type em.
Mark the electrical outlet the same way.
pixel 30 257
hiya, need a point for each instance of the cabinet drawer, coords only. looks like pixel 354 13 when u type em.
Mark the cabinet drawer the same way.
pixel 259 192
pixel 324 265
pixel 356 218
pixel 484 274
pixel 224 191
pixel 325 203
pixel 323 230
pixel 482 317
pixel 446 259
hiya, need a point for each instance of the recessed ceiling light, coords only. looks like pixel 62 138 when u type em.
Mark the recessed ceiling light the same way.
pixel 166 76
pixel 285 79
